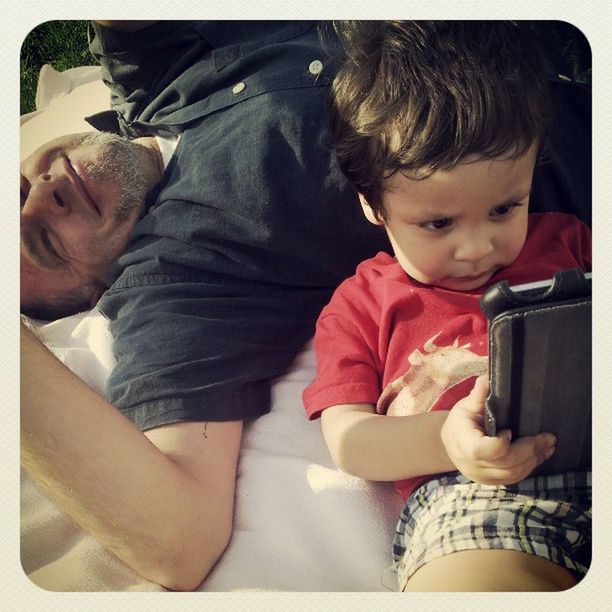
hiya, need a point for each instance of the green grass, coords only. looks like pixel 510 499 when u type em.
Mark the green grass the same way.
pixel 63 44
pixel 566 47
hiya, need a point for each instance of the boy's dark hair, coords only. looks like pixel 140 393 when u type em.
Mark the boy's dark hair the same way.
pixel 423 95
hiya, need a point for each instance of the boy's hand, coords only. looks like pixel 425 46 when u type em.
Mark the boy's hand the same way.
pixel 486 459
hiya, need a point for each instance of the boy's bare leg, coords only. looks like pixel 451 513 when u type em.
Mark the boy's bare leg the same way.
pixel 490 570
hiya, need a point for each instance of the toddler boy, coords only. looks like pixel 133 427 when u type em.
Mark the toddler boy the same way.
pixel 439 125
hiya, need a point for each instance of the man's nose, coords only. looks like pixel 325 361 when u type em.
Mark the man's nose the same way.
pixel 474 246
pixel 45 198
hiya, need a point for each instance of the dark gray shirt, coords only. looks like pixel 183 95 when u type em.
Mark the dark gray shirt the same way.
pixel 250 229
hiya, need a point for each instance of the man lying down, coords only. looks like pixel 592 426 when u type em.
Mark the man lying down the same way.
pixel 212 232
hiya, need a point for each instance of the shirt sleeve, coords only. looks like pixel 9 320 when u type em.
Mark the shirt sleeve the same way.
pixel 346 367
pixel 196 351
pixel 145 69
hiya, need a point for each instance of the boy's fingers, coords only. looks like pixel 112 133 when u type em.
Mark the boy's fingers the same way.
pixel 474 402
pixel 528 451
pixel 544 446
pixel 504 472
pixel 534 449
pixel 502 476
pixel 492 448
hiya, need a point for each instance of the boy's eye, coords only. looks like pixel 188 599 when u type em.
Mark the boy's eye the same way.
pixel 500 211
pixel 436 224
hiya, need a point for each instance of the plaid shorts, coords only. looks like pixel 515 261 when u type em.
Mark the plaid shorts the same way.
pixel 547 516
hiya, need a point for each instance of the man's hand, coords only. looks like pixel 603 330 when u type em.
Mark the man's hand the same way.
pixel 485 459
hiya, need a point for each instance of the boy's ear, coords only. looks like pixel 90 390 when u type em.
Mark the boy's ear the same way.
pixel 370 215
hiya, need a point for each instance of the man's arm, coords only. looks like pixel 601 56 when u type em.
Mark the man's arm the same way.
pixel 161 501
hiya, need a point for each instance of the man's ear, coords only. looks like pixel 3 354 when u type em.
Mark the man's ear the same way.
pixel 370 215
pixel 98 292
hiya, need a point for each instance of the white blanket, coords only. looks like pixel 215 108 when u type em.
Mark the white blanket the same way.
pixel 299 525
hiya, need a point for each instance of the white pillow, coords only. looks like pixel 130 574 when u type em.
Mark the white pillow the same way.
pixel 65 97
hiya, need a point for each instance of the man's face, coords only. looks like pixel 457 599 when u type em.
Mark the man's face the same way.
pixel 456 228
pixel 81 195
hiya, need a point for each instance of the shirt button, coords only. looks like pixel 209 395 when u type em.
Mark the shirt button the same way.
pixel 238 88
pixel 315 67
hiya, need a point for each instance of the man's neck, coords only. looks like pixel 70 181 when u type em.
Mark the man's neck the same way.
pixel 149 143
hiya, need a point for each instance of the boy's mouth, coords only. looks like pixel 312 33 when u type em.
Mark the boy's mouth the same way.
pixel 469 279
pixel 472 281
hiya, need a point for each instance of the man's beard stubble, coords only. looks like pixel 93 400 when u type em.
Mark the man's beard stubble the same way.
pixel 120 162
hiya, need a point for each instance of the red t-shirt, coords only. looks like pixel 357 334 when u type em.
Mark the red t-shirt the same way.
pixel 387 339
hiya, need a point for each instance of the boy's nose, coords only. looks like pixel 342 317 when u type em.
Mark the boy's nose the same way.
pixel 474 247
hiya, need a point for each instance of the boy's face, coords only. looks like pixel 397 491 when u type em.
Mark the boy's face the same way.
pixel 456 228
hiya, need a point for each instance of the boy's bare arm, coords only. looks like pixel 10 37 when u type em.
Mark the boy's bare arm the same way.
pixel 162 502
pixel 378 447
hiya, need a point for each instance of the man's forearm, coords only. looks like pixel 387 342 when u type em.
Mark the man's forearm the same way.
pixel 111 478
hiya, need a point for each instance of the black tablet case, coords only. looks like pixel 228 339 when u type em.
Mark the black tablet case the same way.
pixel 540 366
